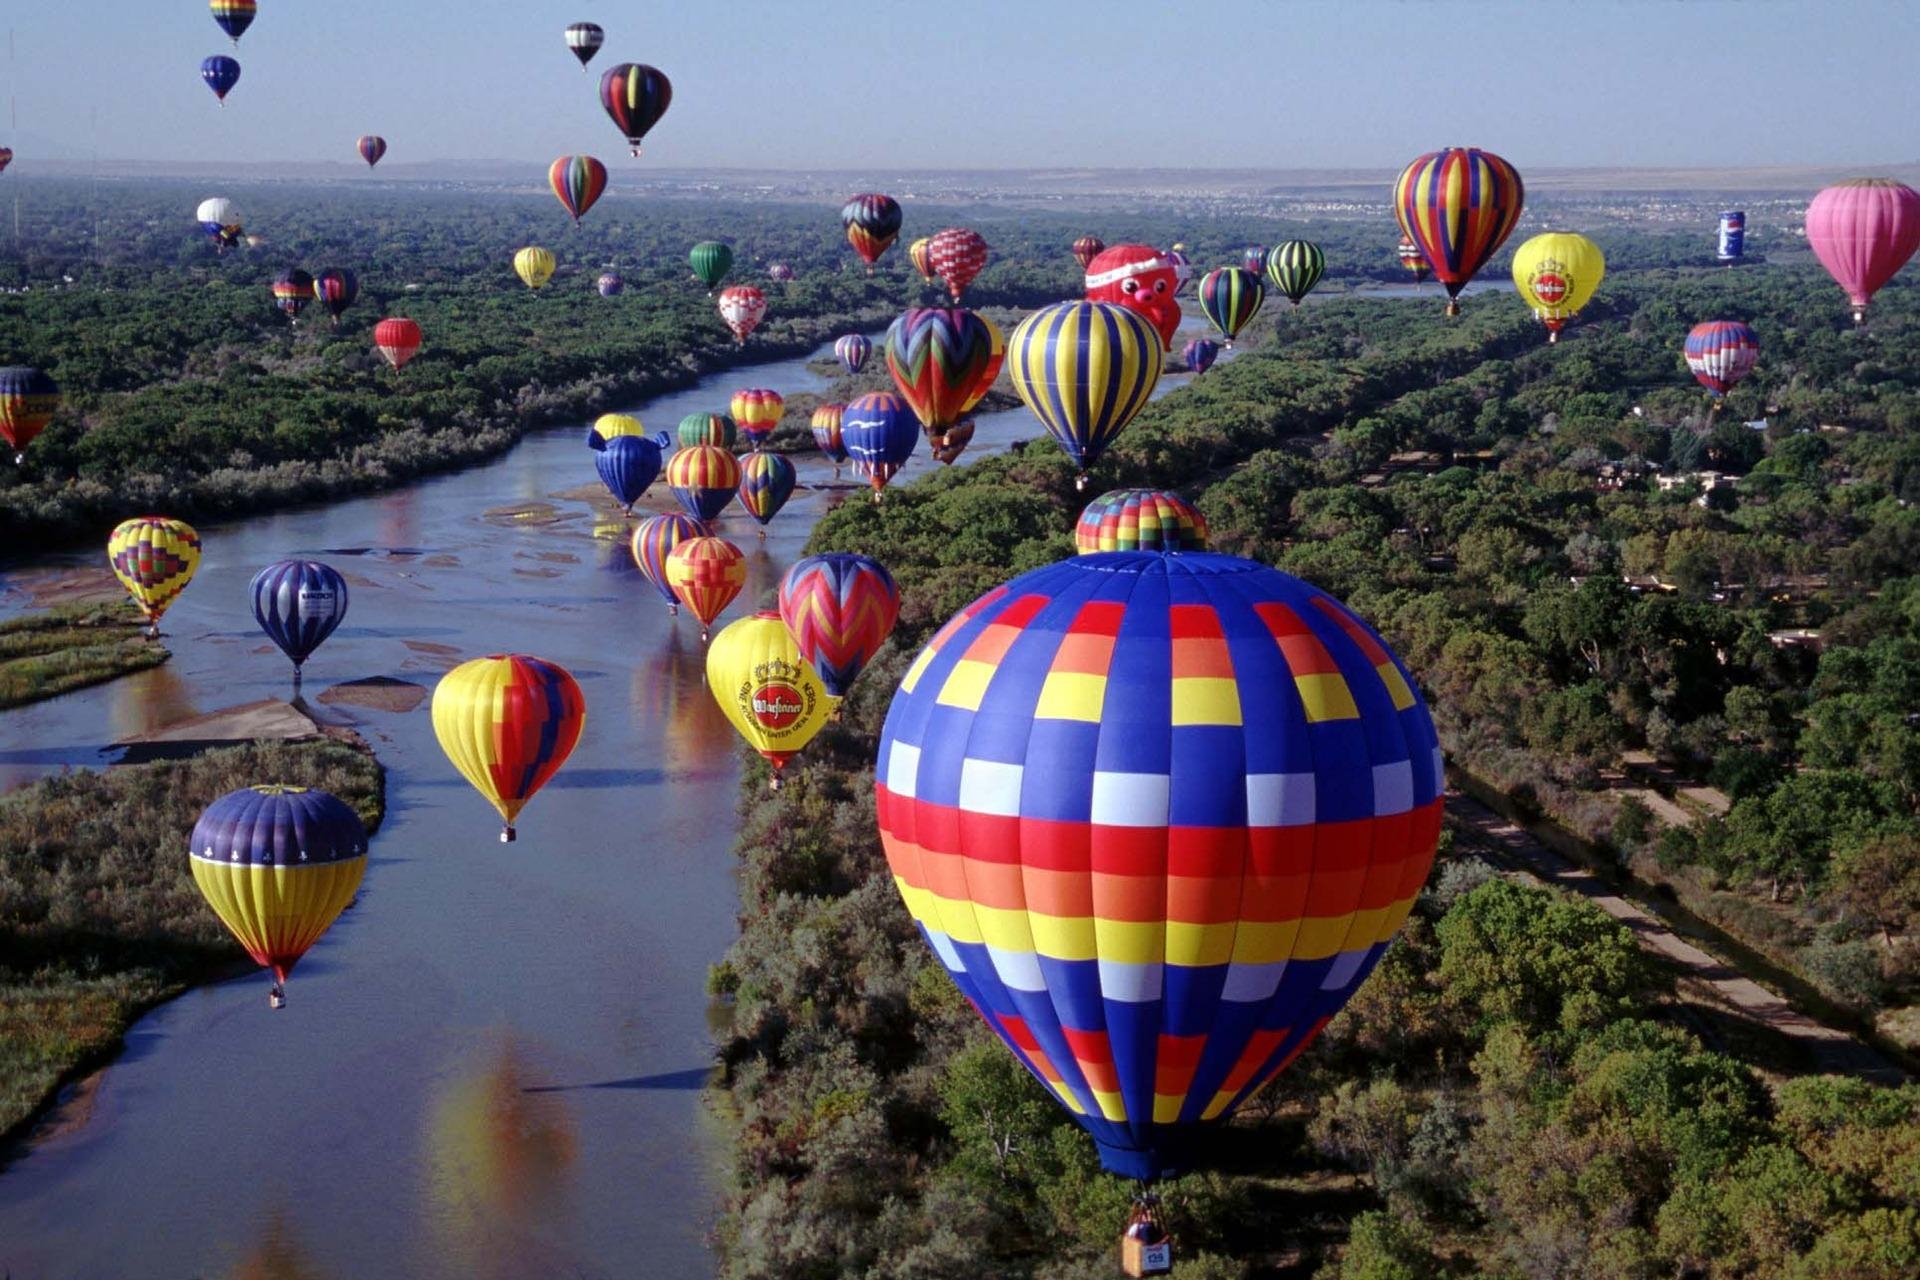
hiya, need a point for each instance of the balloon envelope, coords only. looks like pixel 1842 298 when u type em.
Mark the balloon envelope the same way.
pixel 707 428
pixel 1295 267
pixel 298 603
pixel 654 540
pixel 28 401
pixel 154 557
pixel 1085 369
pixel 508 722
pixel 1863 231
pixel 852 351
pixel 873 223
pixel 839 609
pixel 1141 278
pixel 706 574
pixel 757 411
pixel 1230 298
pixel 371 148
pixel 635 97
pixel 879 433
pixel 221 74
pixel 628 465
pixel 767 480
pixel 826 432
pixel 1458 206
pixel 742 308
pixel 398 340
pixel 703 479
pixel 958 254
pixel 765 689
pixel 534 266
pixel 944 361
pixel 1720 353
pixel 578 183
pixel 1199 354
pixel 710 260
pixel 1556 274
pixel 1140 520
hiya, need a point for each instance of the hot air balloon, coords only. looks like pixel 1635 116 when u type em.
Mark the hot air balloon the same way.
pixel 28 401
pixel 298 603
pixel 944 360
pixel 219 217
pixel 1140 278
pixel 1182 272
pixel 584 40
pixel 1721 353
pixel 1732 241
pixel 278 865
pixel 654 540
pixel 534 266
pixel 1230 298
pixel 1158 817
pixel 706 574
pixel 1556 274
pixel 154 558
pixel 1199 354
pixel 611 426
pixel 6 158
pixel 335 289
pixel 873 224
pixel 1255 259
pixel 707 428
pixel 1458 206
pixel 839 609
pixel 852 351
pixel 292 291
pixel 920 253
pixel 610 284
pixel 1085 369
pixel 371 148
pixel 508 722
pixel 826 434
pixel 1140 520
pixel 635 96
pixel 710 261
pixel 879 432
pixel 948 448
pixel 221 73
pixel 703 479
pixel 780 273
pixel 767 480
pixel 1295 267
pixel 234 17
pixel 628 464
pixel 958 254
pixel 772 697
pixel 1413 260
pixel 757 411
pixel 1863 231
pixel 1086 249
pixel 398 339
pixel 577 182
pixel 742 307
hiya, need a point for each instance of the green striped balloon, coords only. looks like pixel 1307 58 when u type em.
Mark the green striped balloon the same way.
pixel 1295 267
pixel 1085 369
pixel 1231 298
pixel 711 261
pixel 697 429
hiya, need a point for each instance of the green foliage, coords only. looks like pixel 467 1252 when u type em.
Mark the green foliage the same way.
pixel 69 647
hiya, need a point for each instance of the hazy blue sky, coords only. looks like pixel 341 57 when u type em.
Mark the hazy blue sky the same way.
pixel 990 83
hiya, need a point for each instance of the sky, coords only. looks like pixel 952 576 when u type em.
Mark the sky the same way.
pixel 996 84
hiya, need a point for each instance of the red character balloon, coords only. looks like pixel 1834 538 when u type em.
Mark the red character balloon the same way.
pixel 1141 277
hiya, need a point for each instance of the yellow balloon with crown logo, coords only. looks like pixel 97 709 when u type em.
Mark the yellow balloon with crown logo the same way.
pixel 1556 274
pixel 767 689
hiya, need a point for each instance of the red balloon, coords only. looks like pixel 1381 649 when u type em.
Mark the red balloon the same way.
pixel 1142 278
pixel 957 255
pixel 398 340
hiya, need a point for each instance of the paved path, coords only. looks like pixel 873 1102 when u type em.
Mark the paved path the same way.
pixel 1833 1051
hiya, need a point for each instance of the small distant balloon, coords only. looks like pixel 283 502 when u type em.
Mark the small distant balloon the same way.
pixel 578 183
pixel 28 401
pixel 610 285
pixel 398 340
pixel 1086 249
pixel 299 603
pixel 584 40
pixel 221 73
pixel 534 266
pixel 372 147
pixel 742 307
pixel 234 16
pixel 853 350
pixel 1199 354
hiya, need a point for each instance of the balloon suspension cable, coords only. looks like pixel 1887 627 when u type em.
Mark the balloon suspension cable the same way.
pixel 508 835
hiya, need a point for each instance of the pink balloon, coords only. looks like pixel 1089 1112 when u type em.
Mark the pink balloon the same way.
pixel 1863 231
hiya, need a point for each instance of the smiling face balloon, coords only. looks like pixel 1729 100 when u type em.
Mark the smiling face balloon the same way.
pixel 1142 278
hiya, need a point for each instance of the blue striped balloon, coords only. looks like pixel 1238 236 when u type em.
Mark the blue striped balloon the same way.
pixel 1085 369
pixel 298 603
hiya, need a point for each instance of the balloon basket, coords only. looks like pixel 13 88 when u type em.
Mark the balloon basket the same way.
pixel 1145 1247
pixel 673 611
pixel 773 783
pixel 1080 483
pixel 1553 336
pixel 1453 306
pixel 277 997
pixel 508 835
pixel 763 535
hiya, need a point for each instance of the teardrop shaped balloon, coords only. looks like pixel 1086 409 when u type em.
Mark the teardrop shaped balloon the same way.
pixel 742 308
pixel 840 609
pixel 508 722
pixel 920 253
pixel 398 340
pixel 706 574
pixel 710 260
pixel 654 540
pixel 1458 206
pixel 1140 520
pixel 534 266
pixel 826 433
pixel 767 480
pixel 879 433
pixel 1720 353
pixel 298 603
pixel 757 411
pixel 154 557
pixel 958 255
pixel 335 289
pixel 278 865
pixel 944 361
pixel 1295 267
pixel 1085 369
pixel 221 73
pixel 1413 260
pixel 219 217
pixel 610 284
pixel 635 96
pixel 703 479
pixel 1114 793
pixel 1556 274
pixel 852 351
pixel 1086 249
pixel 1199 354
pixel 28 401
pixel 708 428
pixel 1863 231
pixel 764 687
pixel 584 40
pixel 292 291
pixel 1254 259
pixel 578 183
pixel 234 16
pixel 371 148
pixel 872 222
pixel 780 273
pixel 1230 298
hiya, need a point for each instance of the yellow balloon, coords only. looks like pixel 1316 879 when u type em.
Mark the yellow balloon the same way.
pixel 534 265
pixel 1556 274
pixel 508 722
pixel 766 688
pixel 611 425
pixel 154 558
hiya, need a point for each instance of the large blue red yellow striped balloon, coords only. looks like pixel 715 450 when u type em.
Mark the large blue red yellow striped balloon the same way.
pixel 1158 816
pixel 1230 298
pixel 654 540
pixel 703 480
pixel 873 223
pixel 1140 520
pixel 944 360
pixel 28 401
pixel 508 722
pixel 879 433
pixel 278 865
pixel 234 16
pixel 635 97
pixel 154 557
pixel 1458 206
pixel 1720 353
pixel 1085 369
pixel 298 603
pixel 577 182
pixel 767 480
pixel 840 608
pixel 826 433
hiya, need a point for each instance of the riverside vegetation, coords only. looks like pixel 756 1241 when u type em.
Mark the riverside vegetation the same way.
pixel 70 647
pixel 1519 1089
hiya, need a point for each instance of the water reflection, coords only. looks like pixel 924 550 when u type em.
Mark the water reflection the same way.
pixel 278 1256
pixel 669 695
pixel 399 518
pixel 148 701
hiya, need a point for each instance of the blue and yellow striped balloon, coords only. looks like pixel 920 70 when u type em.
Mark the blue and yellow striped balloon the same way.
pixel 767 480
pixel 1231 298
pixel 1085 369
pixel 1158 816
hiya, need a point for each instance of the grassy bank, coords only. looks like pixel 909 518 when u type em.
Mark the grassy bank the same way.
pixel 99 916
pixel 69 647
